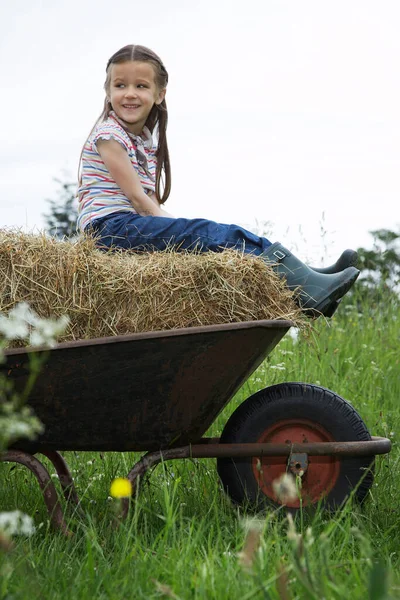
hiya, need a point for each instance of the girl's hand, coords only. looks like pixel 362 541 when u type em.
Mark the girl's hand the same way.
pixel 119 166
pixel 153 197
pixel 167 214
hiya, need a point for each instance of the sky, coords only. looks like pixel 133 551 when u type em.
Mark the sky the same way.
pixel 283 114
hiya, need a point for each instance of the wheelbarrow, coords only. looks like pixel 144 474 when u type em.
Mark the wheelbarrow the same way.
pixel 159 392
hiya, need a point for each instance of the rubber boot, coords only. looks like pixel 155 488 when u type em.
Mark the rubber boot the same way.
pixel 348 258
pixel 317 292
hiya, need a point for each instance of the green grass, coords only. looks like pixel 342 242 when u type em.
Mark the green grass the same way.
pixel 183 535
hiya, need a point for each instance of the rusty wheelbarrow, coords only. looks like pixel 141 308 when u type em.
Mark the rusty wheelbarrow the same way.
pixel 159 392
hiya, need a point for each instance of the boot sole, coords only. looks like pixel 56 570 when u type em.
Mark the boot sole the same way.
pixel 328 306
pixel 330 311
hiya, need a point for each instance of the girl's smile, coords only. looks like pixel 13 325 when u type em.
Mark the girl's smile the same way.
pixel 133 93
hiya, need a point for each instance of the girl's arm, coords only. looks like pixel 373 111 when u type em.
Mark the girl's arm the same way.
pixel 121 170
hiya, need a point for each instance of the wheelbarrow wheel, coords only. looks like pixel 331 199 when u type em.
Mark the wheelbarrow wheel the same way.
pixel 295 412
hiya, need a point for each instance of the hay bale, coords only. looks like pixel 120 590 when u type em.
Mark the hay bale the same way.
pixel 119 292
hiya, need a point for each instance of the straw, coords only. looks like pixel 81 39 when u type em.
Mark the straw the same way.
pixel 119 292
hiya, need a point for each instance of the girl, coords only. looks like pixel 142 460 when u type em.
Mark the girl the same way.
pixel 126 179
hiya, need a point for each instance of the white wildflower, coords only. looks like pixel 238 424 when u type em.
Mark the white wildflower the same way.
pixel 252 542
pixel 16 523
pixel 47 331
pixel 285 488
pixel 286 352
pixel 278 367
pixel 19 429
pixel 23 312
pixel 16 324
pixel 350 308
pixel 309 538
pixel 22 322
pixel 13 330
pixel 292 534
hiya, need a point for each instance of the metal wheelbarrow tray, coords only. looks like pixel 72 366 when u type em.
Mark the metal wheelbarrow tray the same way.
pixel 159 392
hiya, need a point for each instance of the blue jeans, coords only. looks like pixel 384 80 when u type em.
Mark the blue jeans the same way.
pixel 131 231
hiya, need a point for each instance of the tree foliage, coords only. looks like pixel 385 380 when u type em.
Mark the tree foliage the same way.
pixel 63 212
pixel 379 283
pixel 381 263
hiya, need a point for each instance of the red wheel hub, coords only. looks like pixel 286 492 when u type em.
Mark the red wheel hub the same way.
pixel 321 474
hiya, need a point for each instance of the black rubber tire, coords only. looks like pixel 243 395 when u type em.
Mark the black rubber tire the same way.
pixel 294 401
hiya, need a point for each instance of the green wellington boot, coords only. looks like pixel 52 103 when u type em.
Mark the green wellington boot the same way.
pixel 348 258
pixel 318 293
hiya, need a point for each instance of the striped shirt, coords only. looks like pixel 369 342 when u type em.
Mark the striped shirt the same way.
pixel 98 193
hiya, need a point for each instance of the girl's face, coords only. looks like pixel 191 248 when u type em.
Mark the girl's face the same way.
pixel 133 92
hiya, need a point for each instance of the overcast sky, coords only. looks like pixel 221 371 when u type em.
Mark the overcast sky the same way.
pixel 284 111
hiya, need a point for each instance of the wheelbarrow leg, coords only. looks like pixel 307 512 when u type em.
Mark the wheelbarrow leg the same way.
pixel 64 475
pixel 49 491
pixel 151 459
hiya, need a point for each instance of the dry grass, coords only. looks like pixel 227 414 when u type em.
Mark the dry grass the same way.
pixel 122 292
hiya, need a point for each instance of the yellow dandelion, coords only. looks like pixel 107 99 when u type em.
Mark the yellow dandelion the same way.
pixel 121 488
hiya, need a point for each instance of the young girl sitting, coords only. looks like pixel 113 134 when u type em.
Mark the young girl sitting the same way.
pixel 126 179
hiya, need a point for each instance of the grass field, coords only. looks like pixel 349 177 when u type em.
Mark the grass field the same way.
pixel 184 538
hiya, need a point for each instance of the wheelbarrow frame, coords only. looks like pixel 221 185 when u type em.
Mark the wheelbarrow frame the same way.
pixel 184 378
